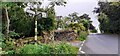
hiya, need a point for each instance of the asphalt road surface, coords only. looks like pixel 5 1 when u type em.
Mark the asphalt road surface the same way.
pixel 101 44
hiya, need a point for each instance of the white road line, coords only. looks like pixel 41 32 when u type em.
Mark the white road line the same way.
pixel 82 52
pixel 83 41
pixel 81 47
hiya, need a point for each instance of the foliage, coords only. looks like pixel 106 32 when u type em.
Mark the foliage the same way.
pixel 109 14
pixel 24 25
pixel 93 31
pixel 73 16
pixel 13 34
pixel 2 41
pixel 21 24
pixel 83 19
pixel 29 49
pixel 45 24
pixel 78 27
pixel 51 15
pixel 61 48
pixel 10 52
pixel 91 27
pixel 60 23
pixel 82 36
pixel 8 5
pixel 86 24
pixel 6 20
pixel 9 44
pixel 104 25
pixel 17 18
pixel 6 43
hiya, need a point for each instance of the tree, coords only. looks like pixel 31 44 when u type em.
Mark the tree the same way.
pixel 51 11
pixel 109 14
pixel 5 7
pixel 73 16
pixel 77 27
pixel 85 19
pixel 21 23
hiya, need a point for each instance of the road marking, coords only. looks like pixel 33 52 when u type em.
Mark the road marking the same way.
pixel 81 44
pixel 83 41
pixel 81 47
pixel 82 52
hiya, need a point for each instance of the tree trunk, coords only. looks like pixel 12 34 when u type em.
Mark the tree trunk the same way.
pixel 8 22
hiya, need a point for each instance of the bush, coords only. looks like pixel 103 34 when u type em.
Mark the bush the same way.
pixel 2 41
pixel 14 34
pixel 45 24
pixel 94 31
pixel 61 48
pixel 10 52
pixel 29 49
pixel 6 44
pixel 22 24
pixel 83 36
pixel 9 44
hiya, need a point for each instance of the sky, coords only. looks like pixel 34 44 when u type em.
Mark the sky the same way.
pixel 81 7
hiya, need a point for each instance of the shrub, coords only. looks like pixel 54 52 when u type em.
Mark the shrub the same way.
pixel 61 48
pixel 35 49
pixel 29 49
pixel 94 31
pixel 9 44
pixel 14 34
pixel 2 41
pixel 46 24
pixel 10 52
pixel 6 44
pixel 22 24
pixel 83 36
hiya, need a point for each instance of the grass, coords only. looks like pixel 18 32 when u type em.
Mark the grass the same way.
pixel 56 48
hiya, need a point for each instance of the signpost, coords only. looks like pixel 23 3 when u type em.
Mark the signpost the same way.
pixel 42 14
pixel 35 14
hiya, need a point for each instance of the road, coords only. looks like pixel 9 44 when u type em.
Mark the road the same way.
pixel 101 44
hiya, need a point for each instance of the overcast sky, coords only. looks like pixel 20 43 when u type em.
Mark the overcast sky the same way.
pixel 79 6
